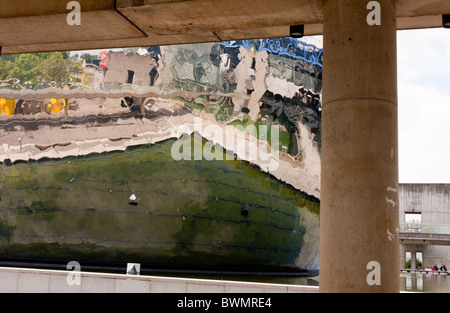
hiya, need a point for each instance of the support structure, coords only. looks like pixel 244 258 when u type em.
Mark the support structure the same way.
pixel 359 244
pixel 140 23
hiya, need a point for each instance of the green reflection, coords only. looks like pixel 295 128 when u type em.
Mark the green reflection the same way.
pixel 189 212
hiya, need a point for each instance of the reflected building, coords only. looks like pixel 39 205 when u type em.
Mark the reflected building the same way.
pixel 77 144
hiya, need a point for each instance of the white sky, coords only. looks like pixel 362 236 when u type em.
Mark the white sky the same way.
pixel 424 104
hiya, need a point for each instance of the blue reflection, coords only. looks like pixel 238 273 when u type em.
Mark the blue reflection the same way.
pixel 290 47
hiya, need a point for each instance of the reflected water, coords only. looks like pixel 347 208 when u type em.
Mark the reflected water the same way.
pixel 409 282
pixel 424 282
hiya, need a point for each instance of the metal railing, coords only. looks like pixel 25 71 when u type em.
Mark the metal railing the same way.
pixel 424 228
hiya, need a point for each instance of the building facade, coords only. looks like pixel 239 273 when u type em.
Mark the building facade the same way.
pixel 424 224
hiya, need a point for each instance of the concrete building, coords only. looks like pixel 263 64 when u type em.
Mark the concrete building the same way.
pixel 425 224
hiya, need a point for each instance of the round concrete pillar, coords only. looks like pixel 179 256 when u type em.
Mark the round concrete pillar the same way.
pixel 359 245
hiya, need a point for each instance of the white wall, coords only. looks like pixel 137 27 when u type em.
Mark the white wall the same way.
pixel 21 280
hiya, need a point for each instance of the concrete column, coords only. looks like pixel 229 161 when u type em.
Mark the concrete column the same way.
pixel 403 250
pixel 413 256
pixel 359 192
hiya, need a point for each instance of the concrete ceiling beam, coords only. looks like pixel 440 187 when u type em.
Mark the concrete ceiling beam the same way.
pixel 35 26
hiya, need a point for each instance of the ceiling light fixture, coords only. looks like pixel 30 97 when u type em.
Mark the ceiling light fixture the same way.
pixel 446 20
pixel 297 31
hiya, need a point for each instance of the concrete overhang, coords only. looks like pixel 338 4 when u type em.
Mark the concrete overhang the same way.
pixel 424 238
pixel 34 26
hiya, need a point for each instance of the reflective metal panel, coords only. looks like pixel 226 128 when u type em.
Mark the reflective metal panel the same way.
pixel 205 154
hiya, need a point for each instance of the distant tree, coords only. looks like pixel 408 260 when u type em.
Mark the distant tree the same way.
pixel 408 264
pixel 9 57
pixel 43 55
pixel 73 65
pixel 418 264
pixel 25 68
pixel 5 67
pixel 87 56
pixel 54 68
